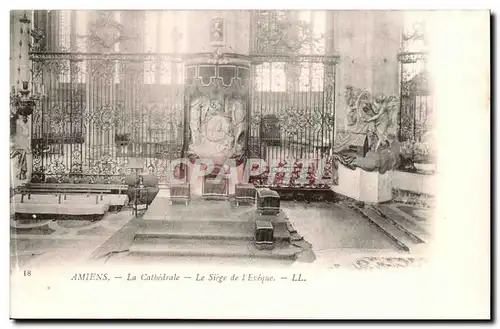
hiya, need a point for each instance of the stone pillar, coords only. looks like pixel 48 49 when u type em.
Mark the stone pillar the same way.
pixel 14 47
pixel 20 144
pixel 368 44
pixel 386 44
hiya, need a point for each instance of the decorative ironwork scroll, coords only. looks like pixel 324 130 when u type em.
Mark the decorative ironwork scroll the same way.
pixel 293 90
pixel 99 110
pixel 291 118
pixel 415 121
pixel 283 32
pixel 416 112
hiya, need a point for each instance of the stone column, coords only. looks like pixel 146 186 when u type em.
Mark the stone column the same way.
pixel 20 146
pixel 14 47
pixel 368 45
pixel 386 44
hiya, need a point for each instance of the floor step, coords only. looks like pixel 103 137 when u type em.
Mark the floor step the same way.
pixel 209 233
pixel 226 230
pixel 211 248
pixel 196 225
pixel 401 238
pixel 403 223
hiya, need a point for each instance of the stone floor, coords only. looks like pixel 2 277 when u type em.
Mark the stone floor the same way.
pixel 44 242
pixel 339 236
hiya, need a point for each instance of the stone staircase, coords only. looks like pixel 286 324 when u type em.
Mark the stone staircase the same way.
pixel 207 228
pixel 407 236
pixel 202 238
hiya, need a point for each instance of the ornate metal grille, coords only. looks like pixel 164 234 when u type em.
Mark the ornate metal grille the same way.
pixel 415 97
pixel 101 107
pixel 98 110
pixel 415 109
pixel 416 112
pixel 293 90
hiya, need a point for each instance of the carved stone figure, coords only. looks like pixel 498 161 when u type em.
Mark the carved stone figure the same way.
pixel 216 133
pixel 371 115
pixel 374 117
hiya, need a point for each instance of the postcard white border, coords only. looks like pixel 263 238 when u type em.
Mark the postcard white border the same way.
pixel 458 284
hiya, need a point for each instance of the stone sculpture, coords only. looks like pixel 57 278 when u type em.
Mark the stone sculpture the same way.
pixel 216 133
pixel 375 118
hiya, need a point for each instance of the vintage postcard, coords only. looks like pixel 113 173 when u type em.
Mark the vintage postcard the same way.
pixel 249 164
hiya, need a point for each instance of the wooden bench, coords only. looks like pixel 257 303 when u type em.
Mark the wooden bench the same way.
pixel 101 191
pixel 56 211
pixel 80 188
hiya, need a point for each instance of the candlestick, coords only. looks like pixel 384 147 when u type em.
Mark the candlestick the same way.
pixel 24 44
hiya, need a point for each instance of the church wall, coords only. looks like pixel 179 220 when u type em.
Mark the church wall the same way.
pixel 368 54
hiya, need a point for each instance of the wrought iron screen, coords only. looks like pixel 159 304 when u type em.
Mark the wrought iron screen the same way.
pixel 415 97
pixel 293 89
pixel 102 105
pixel 100 109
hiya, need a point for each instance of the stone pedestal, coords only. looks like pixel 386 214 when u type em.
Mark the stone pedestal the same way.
pixel 244 193
pixel 363 185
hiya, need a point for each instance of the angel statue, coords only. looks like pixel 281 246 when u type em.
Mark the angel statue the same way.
pixel 371 116
pixel 372 119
